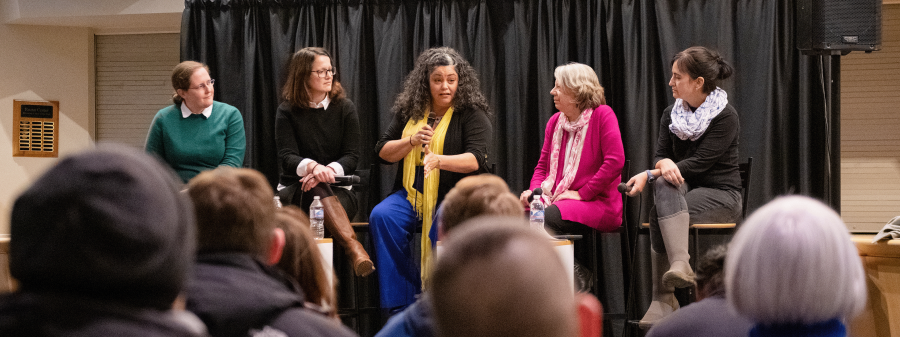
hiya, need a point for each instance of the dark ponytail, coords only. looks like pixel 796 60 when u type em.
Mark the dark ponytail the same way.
pixel 703 62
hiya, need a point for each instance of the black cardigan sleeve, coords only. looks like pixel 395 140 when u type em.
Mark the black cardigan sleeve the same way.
pixel 394 131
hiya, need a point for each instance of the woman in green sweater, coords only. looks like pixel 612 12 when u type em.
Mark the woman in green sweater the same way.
pixel 196 133
pixel 317 136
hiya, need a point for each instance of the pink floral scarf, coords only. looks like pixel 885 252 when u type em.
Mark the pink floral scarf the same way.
pixel 579 127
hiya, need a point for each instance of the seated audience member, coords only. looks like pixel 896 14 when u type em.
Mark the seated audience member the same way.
pixel 709 316
pixel 302 260
pixel 497 277
pixel 101 245
pixel 793 270
pixel 236 290
pixel 484 194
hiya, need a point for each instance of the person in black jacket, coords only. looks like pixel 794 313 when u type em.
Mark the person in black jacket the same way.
pixel 101 245
pixel 236 290
pixel 317 136
pixel 439 134
pixel 697 161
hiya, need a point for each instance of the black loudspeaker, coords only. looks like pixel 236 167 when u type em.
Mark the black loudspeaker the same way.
pixel 838 26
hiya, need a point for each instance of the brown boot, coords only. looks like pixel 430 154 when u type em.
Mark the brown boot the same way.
pixel 339 225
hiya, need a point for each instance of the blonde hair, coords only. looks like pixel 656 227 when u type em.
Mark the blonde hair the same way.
pixel 793 261
pixel 581 81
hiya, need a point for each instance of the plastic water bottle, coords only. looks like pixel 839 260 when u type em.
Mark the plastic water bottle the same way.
pixel 317 218
pixel 277 202
pixel 537 213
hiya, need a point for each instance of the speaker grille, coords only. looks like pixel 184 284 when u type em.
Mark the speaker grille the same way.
pixel 840 19
pixel 845 25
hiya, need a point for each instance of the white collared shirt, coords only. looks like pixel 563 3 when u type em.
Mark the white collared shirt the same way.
pixel 185 112
pixel 323 104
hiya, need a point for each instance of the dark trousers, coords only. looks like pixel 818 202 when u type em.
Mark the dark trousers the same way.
pixel 705 205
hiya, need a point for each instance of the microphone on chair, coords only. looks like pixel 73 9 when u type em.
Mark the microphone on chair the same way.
pixel 346 180
pixel 623 188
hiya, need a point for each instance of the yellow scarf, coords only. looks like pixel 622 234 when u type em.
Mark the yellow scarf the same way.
pixel 424 203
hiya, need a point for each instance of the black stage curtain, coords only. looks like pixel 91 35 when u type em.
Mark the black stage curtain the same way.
pixel 515 45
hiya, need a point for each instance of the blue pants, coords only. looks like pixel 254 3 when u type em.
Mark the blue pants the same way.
pixel 393 225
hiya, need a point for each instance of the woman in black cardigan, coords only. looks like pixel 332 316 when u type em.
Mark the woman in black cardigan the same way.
pixel 696 171
pixel 439 134
pixel 317 136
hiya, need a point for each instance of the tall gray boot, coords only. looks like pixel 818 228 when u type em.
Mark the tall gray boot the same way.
pixel 664 301
pixel 675 231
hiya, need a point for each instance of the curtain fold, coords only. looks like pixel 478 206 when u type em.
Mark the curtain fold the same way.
pixel 515 45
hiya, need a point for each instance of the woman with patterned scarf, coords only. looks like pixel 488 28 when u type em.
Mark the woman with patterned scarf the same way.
pixel 697 161
pixel 439 134
pixel 582 157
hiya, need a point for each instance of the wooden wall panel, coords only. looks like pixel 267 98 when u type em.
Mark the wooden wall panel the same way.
pixel 870 130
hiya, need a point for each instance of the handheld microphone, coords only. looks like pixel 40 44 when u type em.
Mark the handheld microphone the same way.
pixel 623 188
pixel 536 192
pixel 346 180
pixel 430 121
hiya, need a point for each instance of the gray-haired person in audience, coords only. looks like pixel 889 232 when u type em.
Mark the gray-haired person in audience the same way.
pixel 793 270
pixel 101 245
pixel 497 277
pixel 709 316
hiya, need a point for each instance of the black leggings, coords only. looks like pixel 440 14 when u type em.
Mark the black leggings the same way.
pixel 553 221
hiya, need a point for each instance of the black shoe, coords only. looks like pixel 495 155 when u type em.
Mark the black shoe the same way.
pixel 583 278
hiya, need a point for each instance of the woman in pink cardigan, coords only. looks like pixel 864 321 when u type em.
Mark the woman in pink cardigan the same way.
pixel 582 158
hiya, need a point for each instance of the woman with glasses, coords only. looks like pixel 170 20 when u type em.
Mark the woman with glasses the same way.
pixel 439 133
pixel 317 137
pixel 196 133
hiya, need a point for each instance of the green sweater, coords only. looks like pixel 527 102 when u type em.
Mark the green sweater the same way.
pixel 194 144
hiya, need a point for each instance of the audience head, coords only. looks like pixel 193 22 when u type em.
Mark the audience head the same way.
pixel 302 260
pixel 711 273
pixel 497 277
pixel 416 97
pixel 483 194
pixel 107 223
pixel 188 75
pixel 302 78
pixel 581 83
pixel 235 212
pixel 792 262
pixel 701 62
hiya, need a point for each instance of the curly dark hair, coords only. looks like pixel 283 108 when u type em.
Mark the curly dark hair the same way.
pixel 416 95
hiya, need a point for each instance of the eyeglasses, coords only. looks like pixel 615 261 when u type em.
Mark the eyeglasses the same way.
pixel 325 73
pixel 201 86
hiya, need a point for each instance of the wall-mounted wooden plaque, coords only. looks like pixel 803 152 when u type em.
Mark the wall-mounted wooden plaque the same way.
pixel 35 128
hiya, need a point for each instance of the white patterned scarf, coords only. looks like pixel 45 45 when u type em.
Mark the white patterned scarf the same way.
pixel 579 127
pixel 687 124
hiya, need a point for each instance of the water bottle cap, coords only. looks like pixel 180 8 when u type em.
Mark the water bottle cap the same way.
pixel 316 197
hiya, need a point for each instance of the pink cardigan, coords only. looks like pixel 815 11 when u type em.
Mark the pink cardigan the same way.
pixel 599 172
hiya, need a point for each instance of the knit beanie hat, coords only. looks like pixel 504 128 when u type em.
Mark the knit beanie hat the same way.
pixel 108 223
